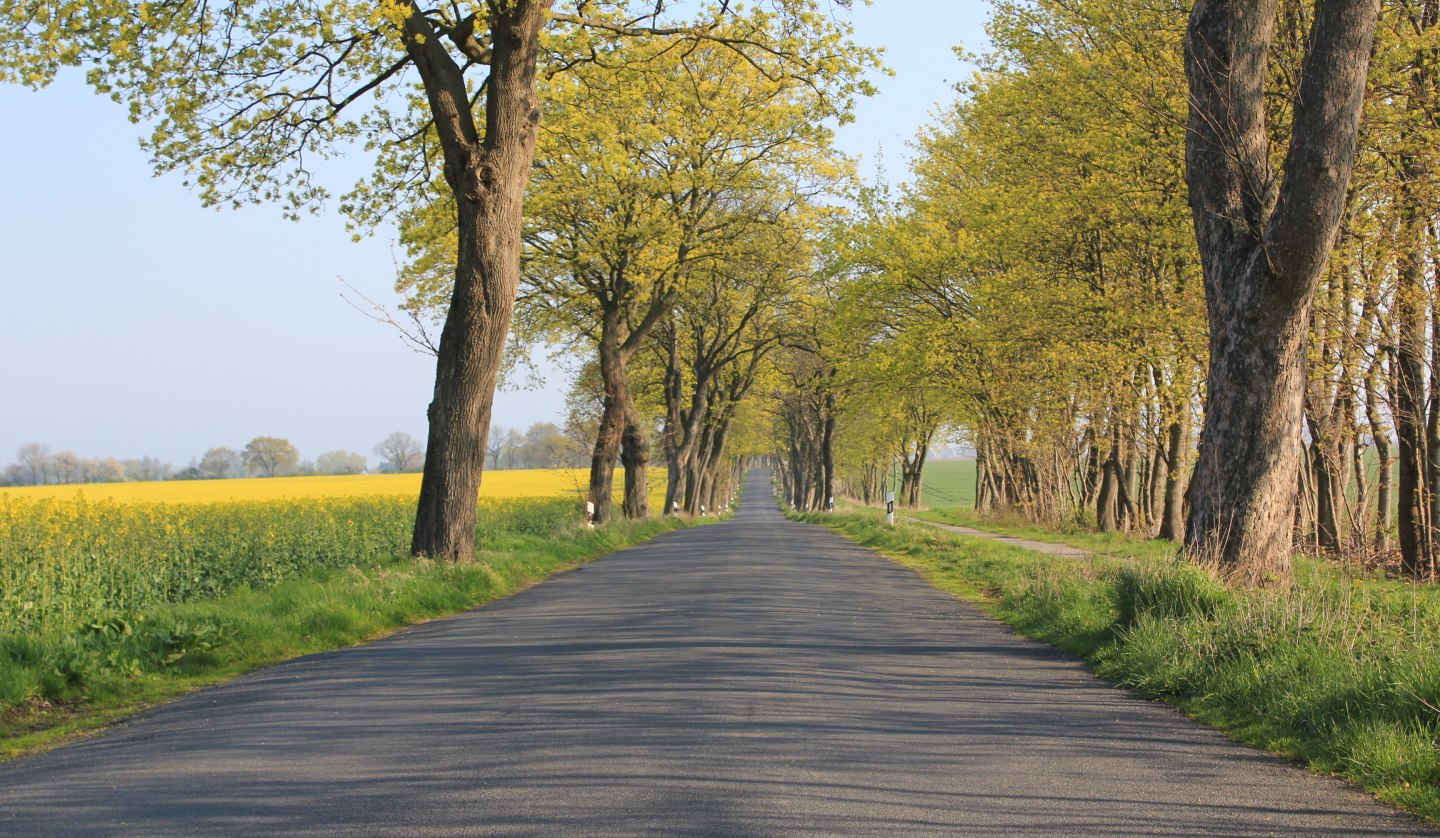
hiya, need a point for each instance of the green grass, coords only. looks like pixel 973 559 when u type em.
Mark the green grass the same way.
pixel 949 484
pixel 61 677
pixel 1338 673
pixel 949 496
pixel 1118 545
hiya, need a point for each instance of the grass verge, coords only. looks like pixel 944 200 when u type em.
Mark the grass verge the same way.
pixel 1338 673
pixel 65 681
pixel 1114 544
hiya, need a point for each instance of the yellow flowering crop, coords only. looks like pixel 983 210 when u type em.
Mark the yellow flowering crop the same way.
pixel 522 483
pixel 74 555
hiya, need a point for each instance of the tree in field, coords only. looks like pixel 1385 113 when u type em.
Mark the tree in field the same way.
pixel 495 446
pixel 148 468
pixel 340 462
pixel 1265 241
pixel 65 467
pixel 245 96
pixel 546 446
pixel 269 455
pixel 399 452
pixel 220 463
pixel 34 461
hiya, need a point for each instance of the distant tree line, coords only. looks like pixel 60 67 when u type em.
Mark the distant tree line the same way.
pixel 544 445
pixel 263 456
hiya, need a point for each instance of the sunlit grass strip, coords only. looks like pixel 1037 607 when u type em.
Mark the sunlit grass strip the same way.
pixel 1337 672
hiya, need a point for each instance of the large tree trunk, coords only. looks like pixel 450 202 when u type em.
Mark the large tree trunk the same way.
pixel 1177 461
pixel 670 440
pixel 1408 398
pixel 1155 489
pixel 1416 433
pixel 827 453
pixel 488 178
pixel 635 456
pixel 614 409
pixel 691 432
pixel 1263 248
pixel 1328 468
pixel 1130 510
pixel 984 489
pixel 1107 501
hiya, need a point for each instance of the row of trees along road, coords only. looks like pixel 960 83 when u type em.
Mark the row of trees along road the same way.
pixel 1120 234
pixel 244 96
pixel 668 210
pixel 1126 224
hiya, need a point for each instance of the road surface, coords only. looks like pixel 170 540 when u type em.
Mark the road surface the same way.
pixel 752 678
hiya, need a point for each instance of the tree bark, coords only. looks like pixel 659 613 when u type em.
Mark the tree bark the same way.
pixel 1328 483
pixel 984 500
pixel 1155 491
pixel 1408 398
pixel 1130 510
pixel 1380 433
pixel 670 440
pixel 1177 459
pixel 635 457
pixel 1263 249
pixel 1107 500
pixel 827 452
pixel 613 413
pixel 488 177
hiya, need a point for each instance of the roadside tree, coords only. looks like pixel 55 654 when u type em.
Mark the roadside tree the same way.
pixel 245 96
pixel 1265 241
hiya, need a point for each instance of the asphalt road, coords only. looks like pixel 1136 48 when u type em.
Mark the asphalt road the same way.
pixel 757 677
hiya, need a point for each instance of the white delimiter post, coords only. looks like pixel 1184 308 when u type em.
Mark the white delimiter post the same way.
pixel 890 509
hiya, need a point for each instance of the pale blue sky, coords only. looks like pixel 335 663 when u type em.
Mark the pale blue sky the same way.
pixel 135 322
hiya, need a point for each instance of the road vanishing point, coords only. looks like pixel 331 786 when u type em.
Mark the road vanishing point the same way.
pixel 750 678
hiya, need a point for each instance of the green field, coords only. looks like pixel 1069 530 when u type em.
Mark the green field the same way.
pixel 949 484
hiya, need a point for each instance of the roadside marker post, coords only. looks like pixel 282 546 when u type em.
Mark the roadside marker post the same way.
pixel 890 508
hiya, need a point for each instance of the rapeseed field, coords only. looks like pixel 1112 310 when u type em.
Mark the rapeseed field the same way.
pixel 81 555
pixel 519 483
pixel 113 592
pixel 80 562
